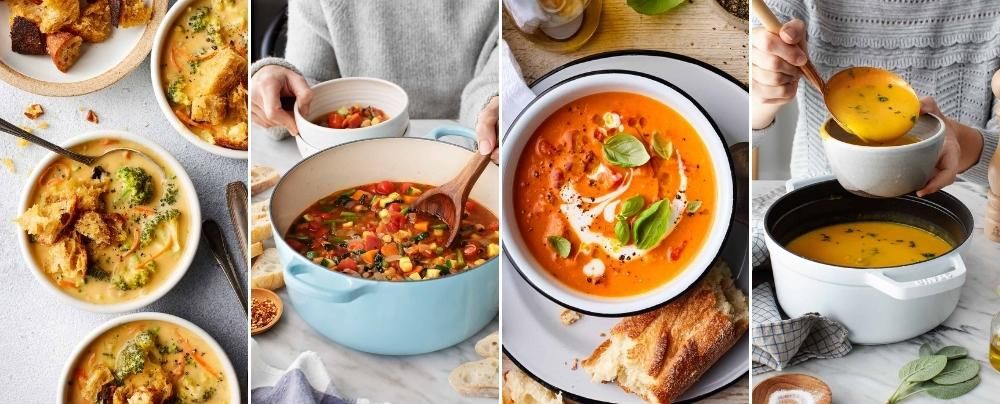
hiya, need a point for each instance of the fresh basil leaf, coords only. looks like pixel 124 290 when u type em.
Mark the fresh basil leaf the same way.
pixel 653 7
pixel 662 146
pixel 622 231
pixel 632 205
pixel 650 227
pixel 952 391
pixel 957 371
pixel 694 206
pixel 560 245
pixel 926 350
pixel 923 369
pixel 953 352
pixel 625 150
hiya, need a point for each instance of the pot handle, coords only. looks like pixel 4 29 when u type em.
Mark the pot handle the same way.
pixel 933 285
pixel 452 130
pixel 797 183
pixel 335 290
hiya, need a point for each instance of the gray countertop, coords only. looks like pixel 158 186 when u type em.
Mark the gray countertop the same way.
pixel 39 331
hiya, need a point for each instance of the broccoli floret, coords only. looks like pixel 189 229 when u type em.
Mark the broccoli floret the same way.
pixel 134 277
pixel 199 19
pixel 150 226
pixel 132 358
pixel 175 91
pixel 98 274
pixel 169 195
pixel 136 186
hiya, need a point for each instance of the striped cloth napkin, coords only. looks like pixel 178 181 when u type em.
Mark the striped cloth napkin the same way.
pixel 305 381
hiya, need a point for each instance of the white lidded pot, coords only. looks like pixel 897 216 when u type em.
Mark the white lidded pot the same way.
pixel 879 305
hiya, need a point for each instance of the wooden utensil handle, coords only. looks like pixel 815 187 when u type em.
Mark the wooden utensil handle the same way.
pixel 470 173
pixel 992 227
pixel 773 25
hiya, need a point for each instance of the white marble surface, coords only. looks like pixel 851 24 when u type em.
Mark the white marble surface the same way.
pixel 39 331
pixel 395 379
pixel 868 373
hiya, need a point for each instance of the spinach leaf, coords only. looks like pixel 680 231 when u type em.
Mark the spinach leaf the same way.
pixel 662 146
pixel 957 371
pixel 622 230
pixel 650 226
pixel 631 206
pixel 653 7
pixel 560 245
pixel 923 369
pixel 625 150
pixel 948 392
pixel 953 352
pixel 694 206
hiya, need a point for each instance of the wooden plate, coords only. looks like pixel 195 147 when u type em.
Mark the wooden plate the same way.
pixel 100 64
pixel 259 293
pixel 793 384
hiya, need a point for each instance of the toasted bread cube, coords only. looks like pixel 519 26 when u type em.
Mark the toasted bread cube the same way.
pixel 238 104
pixel 218 74
pixel 46 221
pixel 64 47
pixel 26 38
pixel 134 13
pixel 34 111
pixel 68 261
pixel 26 9
pixel 94 24
pixel 92 226
pixel 234 138
pixel 57 14
pixel 209 108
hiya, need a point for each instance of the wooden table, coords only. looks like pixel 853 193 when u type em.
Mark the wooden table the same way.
pixel 695 29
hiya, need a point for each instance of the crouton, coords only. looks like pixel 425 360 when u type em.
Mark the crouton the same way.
pixel 134 13
pixel 92 226
pixel 209 108
pixel 64 47
pixel 46 221
pixel 91 117
pixel 34 111
pixel 94 24
pixel 233 138
pixel 27 9
pixel 68 261
pixel 238 104
pixel 26 38
pixel 218 74
pixel 89 194
pixel 57 14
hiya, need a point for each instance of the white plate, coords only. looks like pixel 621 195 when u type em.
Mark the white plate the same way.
pixel 533 336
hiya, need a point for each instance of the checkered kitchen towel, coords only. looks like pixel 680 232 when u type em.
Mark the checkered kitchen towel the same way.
pixel 779 343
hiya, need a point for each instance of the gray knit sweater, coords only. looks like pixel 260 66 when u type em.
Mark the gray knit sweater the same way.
pixel 947 49
pixel 443 53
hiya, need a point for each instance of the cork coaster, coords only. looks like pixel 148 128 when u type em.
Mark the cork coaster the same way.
pixel 107 78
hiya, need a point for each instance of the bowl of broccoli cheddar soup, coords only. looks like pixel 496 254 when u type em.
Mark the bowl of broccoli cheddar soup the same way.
pixel 148 358
pixel 622 192
pixel 111 237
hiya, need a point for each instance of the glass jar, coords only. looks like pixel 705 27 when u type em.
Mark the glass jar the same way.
pixel 995 342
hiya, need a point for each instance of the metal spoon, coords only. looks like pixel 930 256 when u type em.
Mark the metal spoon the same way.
pixel 217 243
pixel 91 161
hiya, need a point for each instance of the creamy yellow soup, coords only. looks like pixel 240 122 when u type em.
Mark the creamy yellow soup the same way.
pixel 98 237
pixel 868 244
pixel 148 361
pixel 205 68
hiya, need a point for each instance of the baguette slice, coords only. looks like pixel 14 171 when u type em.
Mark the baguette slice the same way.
pixel 262 178
pixel 489 346
pixel 477 379
pixel 658 355
pixel 256 249
pixel 266 271
pixel 260 225
pixel 518 388
pixel 64 47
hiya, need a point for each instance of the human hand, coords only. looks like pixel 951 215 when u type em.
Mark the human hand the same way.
pixel 949 158
pixel 270 83
pixel 486 129
pixel 775 62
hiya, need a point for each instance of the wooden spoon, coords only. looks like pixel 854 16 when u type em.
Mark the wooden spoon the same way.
pixel 789 387
pixel 992 226
pixel 874 104
pixel 448 201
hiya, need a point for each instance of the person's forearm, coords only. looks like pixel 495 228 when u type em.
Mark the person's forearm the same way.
pixel 970 142
pixel 763 115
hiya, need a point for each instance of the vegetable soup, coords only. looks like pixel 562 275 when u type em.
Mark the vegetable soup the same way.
pixel 615 194
pixel 148 361
pixel 868 244
pixel 106 234
pixel 353 117
pixel 370 232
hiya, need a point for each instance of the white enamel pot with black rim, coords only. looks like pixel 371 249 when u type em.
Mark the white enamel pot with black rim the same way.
pixel 878 305
pixel 574 88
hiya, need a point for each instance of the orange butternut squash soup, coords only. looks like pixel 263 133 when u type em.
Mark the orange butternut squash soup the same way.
pixel 868 244
pixel 614 194
pixel 106 234
pixel 148 361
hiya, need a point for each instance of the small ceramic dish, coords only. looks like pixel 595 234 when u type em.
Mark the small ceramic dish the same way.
pixel 191 240
pixel 331 95
pixel 265 294
pixel 884 171
pixel 100 64
pixel 792 388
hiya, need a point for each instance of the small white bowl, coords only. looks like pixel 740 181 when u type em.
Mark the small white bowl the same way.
pixel 572 89
pixel 156 59
pixel 191 242
pixel 330 95
pixel 884 171
pixel 227 366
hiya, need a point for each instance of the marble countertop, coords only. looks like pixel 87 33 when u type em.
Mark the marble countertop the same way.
pixel 868 373
pixel 39 330
pixel 399 380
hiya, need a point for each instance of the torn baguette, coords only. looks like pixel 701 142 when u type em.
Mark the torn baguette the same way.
pixel 518 388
